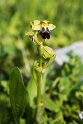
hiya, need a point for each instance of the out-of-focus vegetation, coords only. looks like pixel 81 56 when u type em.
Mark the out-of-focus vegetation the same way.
pixel 64 85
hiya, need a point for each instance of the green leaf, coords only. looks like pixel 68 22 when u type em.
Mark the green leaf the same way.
pixel 48 103
pixel 32 91
pixel 18 94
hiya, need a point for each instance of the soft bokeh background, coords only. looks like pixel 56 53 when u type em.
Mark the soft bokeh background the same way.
pixel 64 84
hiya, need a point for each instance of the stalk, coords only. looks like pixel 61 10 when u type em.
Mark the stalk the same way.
pixel 38 88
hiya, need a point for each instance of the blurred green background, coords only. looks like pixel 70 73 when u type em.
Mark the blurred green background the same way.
pixel 63 85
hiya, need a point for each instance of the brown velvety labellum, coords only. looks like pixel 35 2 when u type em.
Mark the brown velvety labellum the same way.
pixel 45 33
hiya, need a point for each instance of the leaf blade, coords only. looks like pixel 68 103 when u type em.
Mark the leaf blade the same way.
pixel 18 94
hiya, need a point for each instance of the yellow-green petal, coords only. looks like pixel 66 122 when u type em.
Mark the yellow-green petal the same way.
pixel 51 26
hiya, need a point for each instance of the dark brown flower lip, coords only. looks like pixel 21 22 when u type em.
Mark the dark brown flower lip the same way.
pixel 45 33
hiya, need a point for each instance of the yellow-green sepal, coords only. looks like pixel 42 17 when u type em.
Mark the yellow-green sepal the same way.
pixel 38 66
pixel 49 61
pixel 47 52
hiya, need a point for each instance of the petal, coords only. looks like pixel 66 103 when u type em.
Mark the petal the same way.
pixel 35 22
pixel 36 25
pixel 51 26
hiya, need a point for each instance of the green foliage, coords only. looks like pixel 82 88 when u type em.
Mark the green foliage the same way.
pixel 64 87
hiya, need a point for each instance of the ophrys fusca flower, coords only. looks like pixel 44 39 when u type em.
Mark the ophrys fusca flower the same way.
pixel 42 31
pixel 44 27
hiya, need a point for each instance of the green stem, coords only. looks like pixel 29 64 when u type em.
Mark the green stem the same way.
pixel 37 118
pixel 38 88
